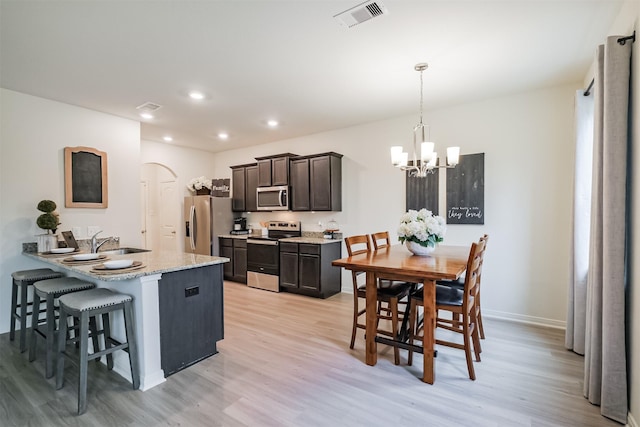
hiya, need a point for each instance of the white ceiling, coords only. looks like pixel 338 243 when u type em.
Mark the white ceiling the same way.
pixel 289 60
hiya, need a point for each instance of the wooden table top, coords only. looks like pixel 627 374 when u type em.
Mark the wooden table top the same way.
pixel 446 262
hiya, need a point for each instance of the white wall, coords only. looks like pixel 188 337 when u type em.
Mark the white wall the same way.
pixel 528 141
pixel 33 134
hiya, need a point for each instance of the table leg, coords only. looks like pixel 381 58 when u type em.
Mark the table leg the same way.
pixel 371 354
pixel 429 326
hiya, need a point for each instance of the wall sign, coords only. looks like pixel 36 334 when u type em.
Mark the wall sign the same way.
pixel 422 192
pixel 85 178
pixel 220 187
pixel 465 190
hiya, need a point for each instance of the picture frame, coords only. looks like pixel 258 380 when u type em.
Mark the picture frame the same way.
pixel 85 178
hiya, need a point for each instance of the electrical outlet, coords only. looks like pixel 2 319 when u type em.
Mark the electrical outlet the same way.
pixel 92 229
pixel 77 232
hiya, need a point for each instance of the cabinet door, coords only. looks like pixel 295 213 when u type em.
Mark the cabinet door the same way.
pixel 309 274
pixel 264 173
pixel 299 174
pixel 320 183
pixel 251 202
pixel 289 269
pixel 238 189
pixel 227 252
pixel 280 171
pixel 240 265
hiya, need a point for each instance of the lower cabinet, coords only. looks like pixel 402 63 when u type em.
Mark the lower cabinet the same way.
pixel 306 268
pixel 236 250
pixel 191 316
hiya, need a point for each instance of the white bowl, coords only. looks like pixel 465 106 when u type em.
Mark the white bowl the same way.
pixel 62 250
pixel 119 263
pixel 84 257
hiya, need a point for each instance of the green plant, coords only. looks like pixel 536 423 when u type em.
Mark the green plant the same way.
pixel 50 219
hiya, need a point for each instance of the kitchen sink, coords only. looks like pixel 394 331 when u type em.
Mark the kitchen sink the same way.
pixel 124 251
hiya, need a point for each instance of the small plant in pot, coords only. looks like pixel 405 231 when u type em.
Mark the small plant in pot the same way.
pixel 50 219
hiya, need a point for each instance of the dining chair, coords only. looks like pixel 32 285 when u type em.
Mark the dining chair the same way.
pixel 380 240
pixel 459 284
pixel 462 305
pixel 388 292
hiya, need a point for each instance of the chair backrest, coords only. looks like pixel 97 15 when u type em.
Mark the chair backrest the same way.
pixel 484 239
pixel 380 240
pixel 474 264
pixel 357 244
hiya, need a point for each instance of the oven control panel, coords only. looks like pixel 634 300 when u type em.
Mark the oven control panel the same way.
pixel 284 225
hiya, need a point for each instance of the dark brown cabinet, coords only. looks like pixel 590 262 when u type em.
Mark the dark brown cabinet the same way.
pixel 306 268
pixel 236 251
pixel 316 182
pixel 244 182
pixel 273 170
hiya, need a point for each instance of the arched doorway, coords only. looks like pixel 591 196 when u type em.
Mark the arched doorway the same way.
pixel 160 207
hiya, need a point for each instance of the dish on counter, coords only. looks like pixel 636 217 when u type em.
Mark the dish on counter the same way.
pixel 85 257
pixel 71 260
pixel 102 268
pixel 62 250
pixel 118 264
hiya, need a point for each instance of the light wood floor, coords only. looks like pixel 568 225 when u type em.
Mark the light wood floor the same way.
pixel 285 361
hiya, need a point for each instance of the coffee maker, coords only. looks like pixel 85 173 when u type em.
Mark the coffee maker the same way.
pixel 240 226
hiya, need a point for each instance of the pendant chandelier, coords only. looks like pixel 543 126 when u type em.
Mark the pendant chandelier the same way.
pixel 427 161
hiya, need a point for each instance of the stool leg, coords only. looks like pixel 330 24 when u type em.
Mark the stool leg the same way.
pixel 14 306
pixel 94 336
pixel 84 363
pixel 35 319
pixel 23 316
pixel 62 341
pixel 51 333
pixel 133 345
pixel 106 327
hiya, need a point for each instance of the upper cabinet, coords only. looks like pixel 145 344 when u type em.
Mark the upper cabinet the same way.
pixel 244 181
pixel 316 182
pixel 274 170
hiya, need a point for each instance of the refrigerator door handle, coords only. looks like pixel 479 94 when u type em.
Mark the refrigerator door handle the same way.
pixel 192 218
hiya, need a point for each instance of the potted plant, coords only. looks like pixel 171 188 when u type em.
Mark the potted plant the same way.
pixel 49 221
pixel 421 231
pixel 200 186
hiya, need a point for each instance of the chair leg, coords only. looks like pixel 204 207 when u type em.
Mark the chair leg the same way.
pixel 412 328
pixel 14 307
pixel 23 317
pixel 393 304
pixel 480 326
pixel 476 335
pixel 84 363
pixel 35 318
pixel 106 328
pixel 133 344
pixel 62 341
pixel 93 328
pixel 356 309
pixel 467 347
pixel 51 333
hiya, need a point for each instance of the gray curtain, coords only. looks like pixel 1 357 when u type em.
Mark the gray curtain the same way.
pixel 605 373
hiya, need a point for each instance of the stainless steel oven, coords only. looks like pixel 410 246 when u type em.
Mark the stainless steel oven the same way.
pixel 263 255
pixel 273 198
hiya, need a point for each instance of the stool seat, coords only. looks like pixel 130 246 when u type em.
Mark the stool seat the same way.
pixel 49 290
pixel 93 299
pixel 21 280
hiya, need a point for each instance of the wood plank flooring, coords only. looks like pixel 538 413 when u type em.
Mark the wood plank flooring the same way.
pixel 285 361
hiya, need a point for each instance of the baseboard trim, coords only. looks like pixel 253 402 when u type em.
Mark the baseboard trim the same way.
pixel 521 318
pixel 631 422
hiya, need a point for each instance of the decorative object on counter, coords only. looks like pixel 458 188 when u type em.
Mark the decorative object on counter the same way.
pixel 85 178
pixel 201 186
pixel 49 221
pixel 331 229
pixel 428 162
pixel 421 231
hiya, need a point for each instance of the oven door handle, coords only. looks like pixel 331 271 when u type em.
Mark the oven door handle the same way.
pixel 263 242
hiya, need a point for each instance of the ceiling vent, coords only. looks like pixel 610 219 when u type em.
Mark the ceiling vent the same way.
pixel 361 13
pixel 149 107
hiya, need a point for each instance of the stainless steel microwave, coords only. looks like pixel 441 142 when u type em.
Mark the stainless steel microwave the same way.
pixel 273 198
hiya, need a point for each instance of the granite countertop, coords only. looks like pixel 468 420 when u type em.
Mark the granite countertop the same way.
pixel 235 236
pixel 154 262
pixel 312 240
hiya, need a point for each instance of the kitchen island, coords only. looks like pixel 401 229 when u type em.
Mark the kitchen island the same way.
pixel 167 290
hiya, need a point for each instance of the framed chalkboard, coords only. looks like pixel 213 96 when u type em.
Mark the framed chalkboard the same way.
pixel 85 178
pixel 422 192
pixel 465 191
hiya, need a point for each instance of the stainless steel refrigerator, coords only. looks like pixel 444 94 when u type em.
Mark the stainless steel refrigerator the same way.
pixel 205 219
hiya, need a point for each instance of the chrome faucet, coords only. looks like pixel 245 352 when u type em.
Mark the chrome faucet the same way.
pixel 95 246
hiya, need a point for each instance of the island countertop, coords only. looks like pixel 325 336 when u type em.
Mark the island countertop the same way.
pixel 155 262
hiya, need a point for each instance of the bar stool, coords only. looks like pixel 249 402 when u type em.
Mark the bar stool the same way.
pixel 49 291
pixel 84 305
pixel 21 281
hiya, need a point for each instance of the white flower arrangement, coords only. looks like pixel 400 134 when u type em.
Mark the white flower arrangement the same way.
pixel 422 227
pixel 199 183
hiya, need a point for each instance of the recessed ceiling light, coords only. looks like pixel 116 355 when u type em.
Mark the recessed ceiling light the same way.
pixel 272 123
pixel 146 115
pixel 167 138
pixel 196 95
pixel 223 135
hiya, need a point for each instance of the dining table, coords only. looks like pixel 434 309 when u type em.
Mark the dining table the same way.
pixel 397 263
